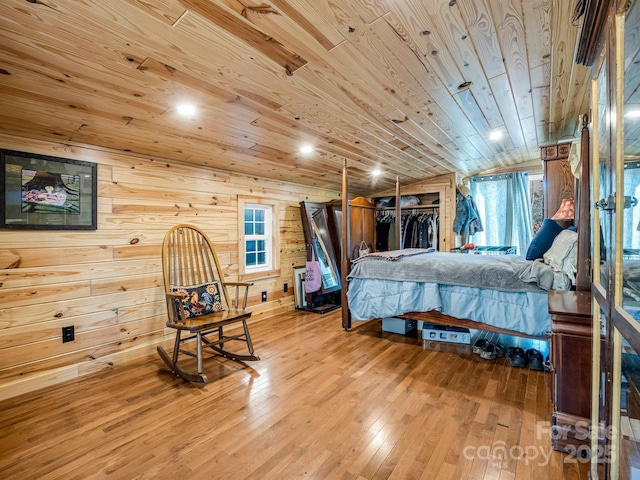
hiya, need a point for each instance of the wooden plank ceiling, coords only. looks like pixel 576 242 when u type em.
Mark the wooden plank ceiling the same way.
pixel 375 82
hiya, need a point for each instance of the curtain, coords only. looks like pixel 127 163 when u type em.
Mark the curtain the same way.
pixel 631 225
pixel 504 207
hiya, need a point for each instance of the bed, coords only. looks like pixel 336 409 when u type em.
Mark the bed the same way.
pixel 503 294
pixel 507 292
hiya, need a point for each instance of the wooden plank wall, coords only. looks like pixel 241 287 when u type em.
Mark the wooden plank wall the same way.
pixel 108 282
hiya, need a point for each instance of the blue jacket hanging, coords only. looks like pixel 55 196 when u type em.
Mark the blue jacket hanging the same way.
pixel 466 215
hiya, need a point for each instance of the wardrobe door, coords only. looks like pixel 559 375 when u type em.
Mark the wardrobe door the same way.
pixel 625 423
pixel 629 166
pixel 616 264
pixel 361 226
pixel 600 380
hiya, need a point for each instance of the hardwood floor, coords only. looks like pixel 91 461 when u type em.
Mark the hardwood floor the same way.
pixel 321 404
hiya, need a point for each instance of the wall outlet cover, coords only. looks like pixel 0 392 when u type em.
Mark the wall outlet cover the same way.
pixel 68 334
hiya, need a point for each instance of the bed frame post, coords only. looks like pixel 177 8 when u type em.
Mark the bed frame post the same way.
pixel 583 277
pixel 346 248
pixel 398 218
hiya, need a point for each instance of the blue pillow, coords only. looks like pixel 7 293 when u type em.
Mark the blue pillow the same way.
pixel 543 239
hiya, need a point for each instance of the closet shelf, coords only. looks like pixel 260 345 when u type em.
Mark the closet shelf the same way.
pixel 414 207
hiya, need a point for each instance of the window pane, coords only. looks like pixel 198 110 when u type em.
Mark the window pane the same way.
pixel 510 226
pixel 258 231
pixel 631 229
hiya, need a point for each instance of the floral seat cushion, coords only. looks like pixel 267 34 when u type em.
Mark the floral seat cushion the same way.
pixel 200 299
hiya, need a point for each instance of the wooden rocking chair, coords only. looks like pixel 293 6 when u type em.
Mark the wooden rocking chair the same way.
pixel 198 303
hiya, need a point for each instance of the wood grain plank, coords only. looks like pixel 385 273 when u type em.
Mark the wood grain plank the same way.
pixel 27 314
pixel 508 17
pixel 455 36
pixel 290 23
pixel 21 296
pixel 36 276
pixel 167 10
pixel 504 99
pixel 222 17
pixel 478 19
pixel 44 257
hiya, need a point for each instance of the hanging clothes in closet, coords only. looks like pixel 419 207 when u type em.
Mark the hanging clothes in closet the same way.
pixel 420 229
pixel 385 230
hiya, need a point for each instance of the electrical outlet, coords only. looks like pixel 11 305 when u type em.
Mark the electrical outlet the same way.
pixel 68 334
pixel 264 296
pixel 286 288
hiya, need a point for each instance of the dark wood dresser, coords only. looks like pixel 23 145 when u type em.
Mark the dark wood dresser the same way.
pixel 571 362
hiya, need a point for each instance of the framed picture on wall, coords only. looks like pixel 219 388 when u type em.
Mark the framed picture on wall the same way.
pixel 39 192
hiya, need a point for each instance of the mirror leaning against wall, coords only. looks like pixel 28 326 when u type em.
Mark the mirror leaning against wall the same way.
pixel 315 222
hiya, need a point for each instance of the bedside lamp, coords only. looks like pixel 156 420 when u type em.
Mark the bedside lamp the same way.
pixel 566 212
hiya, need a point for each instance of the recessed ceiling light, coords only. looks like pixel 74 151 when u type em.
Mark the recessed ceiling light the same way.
pixel 465 85
pixel 376 172
pixel 306 148
pixel 495 135
pixel 186 109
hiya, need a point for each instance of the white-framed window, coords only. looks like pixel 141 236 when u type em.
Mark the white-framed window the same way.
pixel 258 237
